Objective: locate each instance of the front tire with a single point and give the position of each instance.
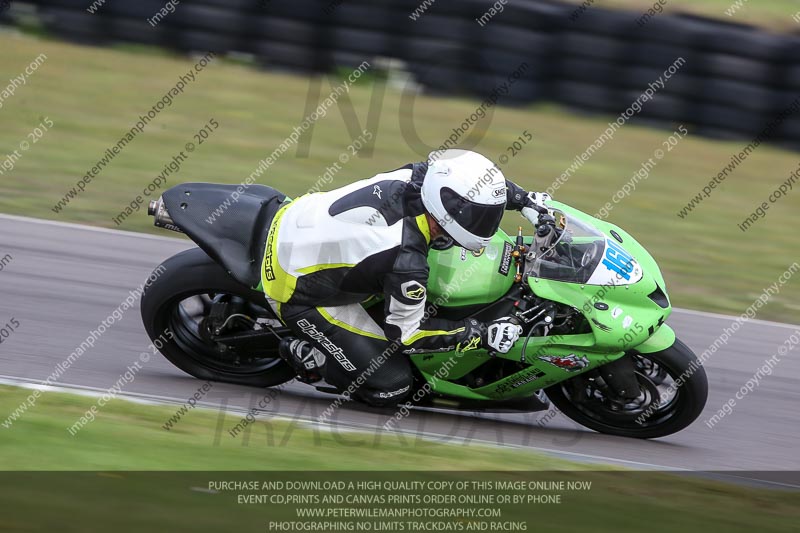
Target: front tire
(663, 407)
(180, 300)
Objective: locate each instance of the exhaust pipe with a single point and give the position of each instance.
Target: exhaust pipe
(161, 218)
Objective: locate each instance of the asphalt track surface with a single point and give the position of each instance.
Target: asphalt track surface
(64, 280)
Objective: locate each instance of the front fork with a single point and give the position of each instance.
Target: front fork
(620, 376)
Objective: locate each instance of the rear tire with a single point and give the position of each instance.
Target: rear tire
(190, 274)
(667, 418)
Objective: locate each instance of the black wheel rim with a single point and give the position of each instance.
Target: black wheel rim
(185, 319)
(659, 400)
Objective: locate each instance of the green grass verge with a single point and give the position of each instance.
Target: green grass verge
(94, 95)
(129, 436)
(774, 15)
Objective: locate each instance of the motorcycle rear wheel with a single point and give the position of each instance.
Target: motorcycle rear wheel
(179, 302)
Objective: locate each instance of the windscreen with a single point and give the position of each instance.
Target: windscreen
(575, 252)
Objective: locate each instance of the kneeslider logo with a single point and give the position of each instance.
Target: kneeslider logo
(338, 354)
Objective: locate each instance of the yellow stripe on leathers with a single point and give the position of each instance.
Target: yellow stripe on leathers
(422, 334)
(325, 266)
(278, 284)
(422, 224)
(327, 316)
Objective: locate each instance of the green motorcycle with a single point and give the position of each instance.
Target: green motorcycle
(590, 299)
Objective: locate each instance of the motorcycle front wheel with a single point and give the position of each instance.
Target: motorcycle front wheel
(673, 389)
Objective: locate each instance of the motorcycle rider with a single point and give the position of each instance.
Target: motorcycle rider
(328, 252)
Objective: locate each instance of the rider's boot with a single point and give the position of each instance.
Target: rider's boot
(305, 360)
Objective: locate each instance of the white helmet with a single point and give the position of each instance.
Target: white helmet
(466, 194)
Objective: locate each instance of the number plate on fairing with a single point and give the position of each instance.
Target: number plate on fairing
(617, 267)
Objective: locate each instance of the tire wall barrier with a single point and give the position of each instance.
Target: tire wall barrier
(735, 81)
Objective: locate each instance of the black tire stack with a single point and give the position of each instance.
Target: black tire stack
(735, 81)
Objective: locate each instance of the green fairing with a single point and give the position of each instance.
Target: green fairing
(460, 278)
(661, 340)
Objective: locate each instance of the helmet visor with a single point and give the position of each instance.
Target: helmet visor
(479, 219)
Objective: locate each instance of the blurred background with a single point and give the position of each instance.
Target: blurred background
(557, 72)
(628, 109)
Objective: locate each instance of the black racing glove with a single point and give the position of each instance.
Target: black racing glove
(499, 335)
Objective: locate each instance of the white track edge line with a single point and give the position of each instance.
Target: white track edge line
(97, 229)
(152, 399)
(184, 241)
(161, 400)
